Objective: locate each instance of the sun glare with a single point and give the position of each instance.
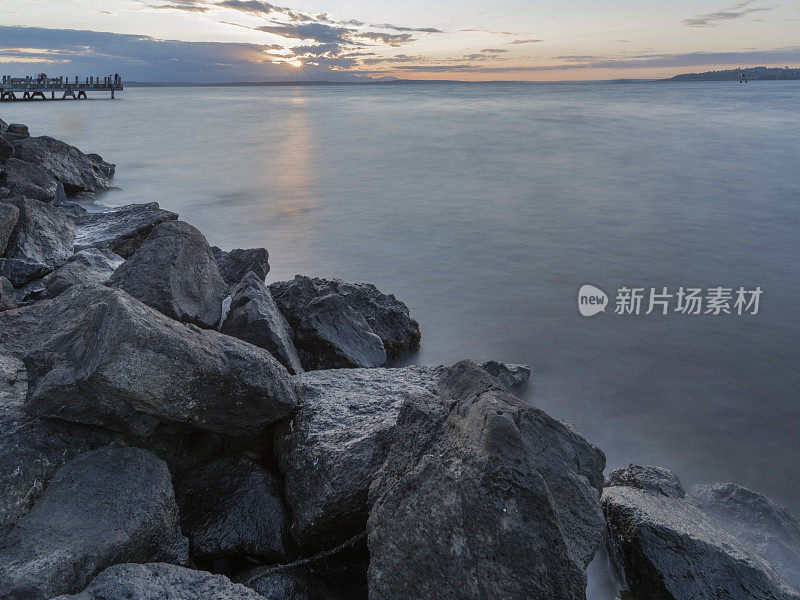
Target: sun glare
(296, 63)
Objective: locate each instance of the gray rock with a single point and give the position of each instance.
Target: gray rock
(509, 376)
(17, 129)
(43, 233)
(332, 335)
(66, 164)
(3, 125)
(163, 582)
(23, 178)
(175, 272)
(6, 149)
(106, 359)
(73, 209)
(4, 192)
(7, 299)
(20, 271)
(232, 507)
(121, 230)
(758, 522)
(483, 496)
(9, 215)
(235, 264)
(657, 480)
(293, 584)
(105, 506)
(665, 547)
(331, 449)
(254, 317)
(93, 265)
(388, 318)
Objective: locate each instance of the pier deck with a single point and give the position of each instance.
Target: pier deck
(57, 88)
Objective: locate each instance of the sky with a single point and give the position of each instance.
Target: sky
(350, 40)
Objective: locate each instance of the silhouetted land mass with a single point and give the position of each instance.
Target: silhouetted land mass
(753, 74)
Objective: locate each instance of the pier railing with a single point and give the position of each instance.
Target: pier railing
(32, 88)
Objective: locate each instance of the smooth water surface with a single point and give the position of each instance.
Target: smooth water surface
(485, 207)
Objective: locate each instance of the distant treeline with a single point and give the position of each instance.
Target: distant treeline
(753, 73)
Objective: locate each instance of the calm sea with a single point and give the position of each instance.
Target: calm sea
(485, 207)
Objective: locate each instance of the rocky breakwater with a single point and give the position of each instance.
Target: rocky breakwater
(172, 426)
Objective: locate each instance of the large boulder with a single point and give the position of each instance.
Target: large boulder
(510, 376)
(232, 508)
(9, 215)
(121, 230)
(483, 496)
(105, 506)
(386, 316)
(254, 317)
(235, 264)
(154, 581)
(175, 272)
(43, 233)
(97, 356)
(23, 178)
(93, 265)
(334, 445)
(667, 548)
(16, 131)
(20, 271)
(7, 299)
(75, 170)
(758, 522)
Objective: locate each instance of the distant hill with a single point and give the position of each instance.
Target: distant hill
(753, 74)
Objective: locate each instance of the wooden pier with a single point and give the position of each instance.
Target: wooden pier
(56, 88)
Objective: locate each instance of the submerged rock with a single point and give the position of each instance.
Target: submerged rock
(235, 264)
(93, 265)
(64, 163)
(121, 230)
(331, 449)
(23, 178)
(9, 215)
(175, 272)
(232, 507)
(254, 317)
(43, 233)
(105, 506)
(106, 359)
(386, 316)
(7, 299)
(762, 525)
(161, 581)
(510, 376)
(483, 496)
(668, 548)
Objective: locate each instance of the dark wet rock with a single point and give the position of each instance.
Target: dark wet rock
(483, 496)
(292, 584)
(332, 448)
(235, 264)
(106, 359)
(648, 478)
(154, 581)
(43, 233)
(105, 506)
(232, 507)
(73, 209)
(66, 164)
(93, 265)
(6, 148)
(758, 522)
(4, 192)
(121, 230)
(3, 126)
(666, 547)
(17, 129)
(20, 271)
(9, 215)
(387, 317)
(175, 272)
(23, 178)
(7, 299)
(510, 376)
(254, 317)
(332, 335)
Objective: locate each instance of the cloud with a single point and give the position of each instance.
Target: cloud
(737, 11)
(400, 28)
(390, 39)
(528, 41)
(318, 32)
(183, 7)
